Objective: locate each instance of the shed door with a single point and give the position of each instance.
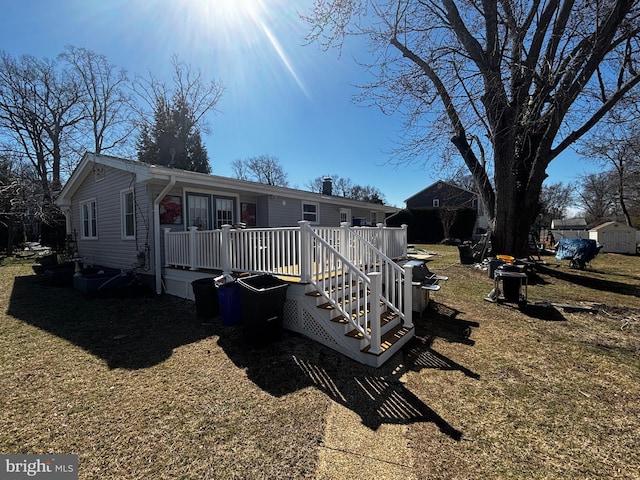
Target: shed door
(617, 242)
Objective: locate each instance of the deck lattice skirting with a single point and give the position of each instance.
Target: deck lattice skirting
(347, 291)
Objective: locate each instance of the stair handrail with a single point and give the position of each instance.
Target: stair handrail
(393, 275)
(326, 280)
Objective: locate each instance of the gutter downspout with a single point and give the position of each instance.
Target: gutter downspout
(157, 254)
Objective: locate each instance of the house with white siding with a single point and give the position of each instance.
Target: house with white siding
(173, 226)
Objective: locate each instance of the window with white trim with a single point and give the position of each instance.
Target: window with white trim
(198, 210)
(345, 215)
(128, 215)
(89, 220)
(224, 211)
(436, 202)
(310, 212)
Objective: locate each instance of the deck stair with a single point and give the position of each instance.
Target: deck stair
(314, 317)
(346, 288)
(339, 309)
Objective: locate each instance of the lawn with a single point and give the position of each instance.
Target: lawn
(142, 388)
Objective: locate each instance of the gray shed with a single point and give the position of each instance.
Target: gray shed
(615, 237)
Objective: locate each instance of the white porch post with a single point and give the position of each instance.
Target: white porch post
(193, 254)
(225, 249)
(166, 246)
(408, 296)
(343, 248)
(405, 242)
(375, 312)
(304, 260)
(382, 239)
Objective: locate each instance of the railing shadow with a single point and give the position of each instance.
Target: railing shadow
(377, 396)
(128, 333)
(586, 280)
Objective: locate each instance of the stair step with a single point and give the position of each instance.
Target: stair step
(385, 317)
(345, 301)
(316, 293)
(390, 338)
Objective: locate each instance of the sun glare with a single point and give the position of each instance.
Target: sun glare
(254, 27)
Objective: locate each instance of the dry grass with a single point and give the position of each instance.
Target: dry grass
(543, 393)
(140, 388)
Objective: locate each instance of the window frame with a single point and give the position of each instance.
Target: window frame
(189, 220)
(316, 213)
(215, 211)
(125, 214)
(92, 220)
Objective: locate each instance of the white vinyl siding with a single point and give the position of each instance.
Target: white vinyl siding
(108, 249)
(128, 215)
(89, 220)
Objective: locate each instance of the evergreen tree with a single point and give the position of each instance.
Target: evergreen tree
(174, 139)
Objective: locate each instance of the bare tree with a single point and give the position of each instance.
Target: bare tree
(40, 105)
(108, 120)
(240, 170)
(617, 148)
(555, 200)
(597, 195)
(511, 83)
(344, 187)
(265, 169)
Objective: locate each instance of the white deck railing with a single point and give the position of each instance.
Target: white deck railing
(277, 250)
(354, 263)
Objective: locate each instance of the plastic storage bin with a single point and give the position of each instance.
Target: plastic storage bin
(263, 298)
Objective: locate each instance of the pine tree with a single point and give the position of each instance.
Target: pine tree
(174, 140)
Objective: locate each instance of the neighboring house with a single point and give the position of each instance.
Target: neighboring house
(569, 224)
(615, 237)
(442, 194)
(173, 227)
(564, 228)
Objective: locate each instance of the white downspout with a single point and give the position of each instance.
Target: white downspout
(157, 253)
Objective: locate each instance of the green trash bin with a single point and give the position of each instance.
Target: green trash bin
(263, 298)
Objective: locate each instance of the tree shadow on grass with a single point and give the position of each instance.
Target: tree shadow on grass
(586, 280)
(137, 333)
(128, 333)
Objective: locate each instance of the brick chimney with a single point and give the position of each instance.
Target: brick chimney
(327, 186)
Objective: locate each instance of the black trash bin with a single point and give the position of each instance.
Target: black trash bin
(263, 298)
(466, 254)
(204, 290)
(510, 285)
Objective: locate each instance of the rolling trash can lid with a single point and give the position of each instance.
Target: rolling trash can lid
(262, 283)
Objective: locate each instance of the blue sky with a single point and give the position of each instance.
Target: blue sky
(282, 97)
